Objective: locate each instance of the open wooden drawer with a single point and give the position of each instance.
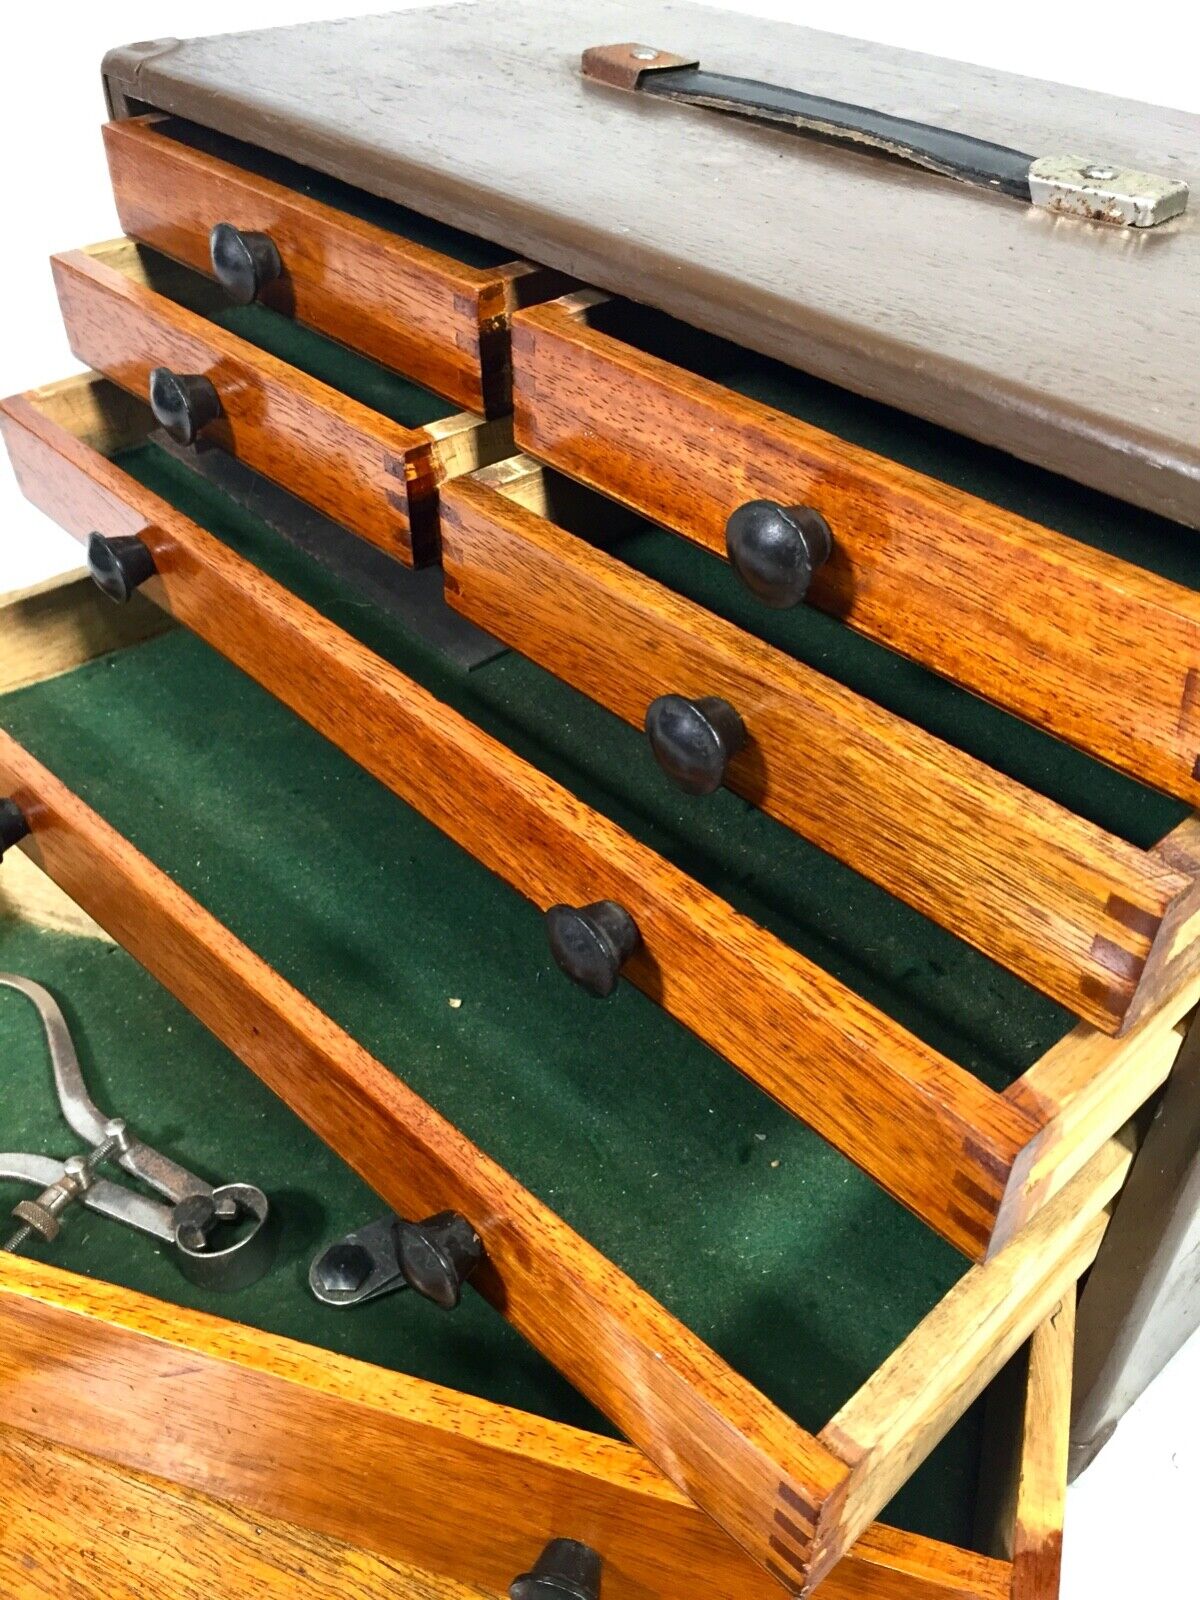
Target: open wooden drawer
(260, 1480)
(1070, 620)
(1100, 926)
(967, 1095)
(827, 1340)
(418, 297)
(362, 444)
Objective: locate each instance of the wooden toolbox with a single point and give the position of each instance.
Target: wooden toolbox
(863, 753)
(93, 1368)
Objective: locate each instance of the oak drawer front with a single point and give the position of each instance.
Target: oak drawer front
(247, 1404)
(812, 1043)
(1098, 651)
(971, 1161)
(1073, 910)
(373, 475)
(663, 1386)
(742, 1459)
(439, 320)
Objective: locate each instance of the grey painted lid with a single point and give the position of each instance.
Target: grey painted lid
(1069, 343)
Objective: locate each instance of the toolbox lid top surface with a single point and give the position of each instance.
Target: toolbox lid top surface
(1068, 342)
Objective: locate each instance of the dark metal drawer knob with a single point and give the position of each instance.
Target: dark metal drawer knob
(776, 549)
(694, 740)
(183, 403)
(243, 263)
(438, 1256)
(119, 565)
(13, 826)
(592, 943)
(565, 1570)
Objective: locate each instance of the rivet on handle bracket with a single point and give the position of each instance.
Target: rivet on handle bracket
(1080, 186)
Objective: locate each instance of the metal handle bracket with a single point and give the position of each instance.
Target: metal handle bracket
(1073, 185)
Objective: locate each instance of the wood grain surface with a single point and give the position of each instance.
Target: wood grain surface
(889, 1425)
(375, 477)
(927, 1130)
(1069, 343)
(1071, 909)
(1041, 1494)
(1086, 1086)
(422, 313)
(718, 1438)
(350, 1452)
(47, 630)
(76, 1527)
(764, 1480)
(1024, 1459)
(1099, 652)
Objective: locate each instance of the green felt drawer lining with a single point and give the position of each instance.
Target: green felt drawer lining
(768, 1243)
(932, 982)
(802, 1273)
(393, 396)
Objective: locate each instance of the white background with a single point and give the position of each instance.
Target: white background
(1131, 1517)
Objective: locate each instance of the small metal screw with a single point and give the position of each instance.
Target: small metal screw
(116, 1133)
(1101, 174)
(645, 55)
(344, 1267)
(41, 1215)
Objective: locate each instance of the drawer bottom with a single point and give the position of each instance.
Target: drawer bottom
(147, 1058)
(843, 1305)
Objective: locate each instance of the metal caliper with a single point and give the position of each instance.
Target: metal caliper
(193, 1209)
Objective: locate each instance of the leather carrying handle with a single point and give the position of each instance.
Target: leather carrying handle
(1071, 184)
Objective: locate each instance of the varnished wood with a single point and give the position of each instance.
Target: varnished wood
(1085, 1086)
(99, 414)
(1027, 1418)
(1084, 1092)
(350, 1452)
(720, 1439)
(76, 1527)
(1069, 908)
(366, 472)
(1078, 1094)
(793, 1502)
(1041, 1492)
(409, 307)
(888, 1427)
(938, 1358)
(928, 1130)
(1099, 652)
